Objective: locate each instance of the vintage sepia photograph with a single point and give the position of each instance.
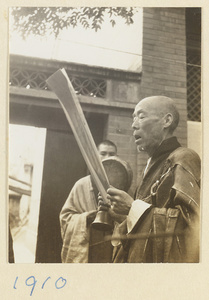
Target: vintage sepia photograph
(105, 135)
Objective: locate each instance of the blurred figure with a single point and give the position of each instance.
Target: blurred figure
(76, 217)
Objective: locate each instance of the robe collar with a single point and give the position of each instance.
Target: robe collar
(166, 146)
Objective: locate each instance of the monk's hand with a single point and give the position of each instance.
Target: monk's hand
(107, 207)
(101, 204)
(120, 201)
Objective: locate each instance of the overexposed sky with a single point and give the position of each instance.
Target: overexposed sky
(118, 47)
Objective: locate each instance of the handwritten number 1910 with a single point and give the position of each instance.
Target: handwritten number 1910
(31, 281)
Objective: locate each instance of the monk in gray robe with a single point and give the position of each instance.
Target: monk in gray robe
(162, 223)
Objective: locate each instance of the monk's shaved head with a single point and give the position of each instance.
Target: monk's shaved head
(163, 105)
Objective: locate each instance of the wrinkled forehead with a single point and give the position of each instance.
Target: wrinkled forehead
(147, 106)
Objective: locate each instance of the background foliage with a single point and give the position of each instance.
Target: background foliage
(51, 20)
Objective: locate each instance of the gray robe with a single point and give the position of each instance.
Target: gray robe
(82, 243)
(171, 186)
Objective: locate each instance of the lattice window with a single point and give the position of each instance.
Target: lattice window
(90, 87)
(194, 87)
(37, 80)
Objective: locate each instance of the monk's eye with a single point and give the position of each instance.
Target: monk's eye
(141, 116)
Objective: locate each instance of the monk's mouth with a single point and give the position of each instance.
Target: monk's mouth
(137, 138)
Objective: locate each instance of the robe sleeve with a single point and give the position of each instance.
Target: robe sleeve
(173, 217)
(73, 221)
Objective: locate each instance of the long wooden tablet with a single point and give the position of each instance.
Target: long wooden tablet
(62, 87)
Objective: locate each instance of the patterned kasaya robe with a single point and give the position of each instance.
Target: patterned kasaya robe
(168, 230)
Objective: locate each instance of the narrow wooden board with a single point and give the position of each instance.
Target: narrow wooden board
(62, 87)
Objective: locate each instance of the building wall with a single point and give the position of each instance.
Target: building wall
(164, 59)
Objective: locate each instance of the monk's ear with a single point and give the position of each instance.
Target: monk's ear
(168, 120)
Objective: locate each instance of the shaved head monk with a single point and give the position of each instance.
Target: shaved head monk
(162, 223)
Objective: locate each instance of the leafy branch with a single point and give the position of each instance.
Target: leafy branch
(52, 20)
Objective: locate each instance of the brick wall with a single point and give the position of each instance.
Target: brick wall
(164, 59)
(123, 91)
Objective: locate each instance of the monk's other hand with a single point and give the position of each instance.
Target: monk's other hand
(120, 201)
